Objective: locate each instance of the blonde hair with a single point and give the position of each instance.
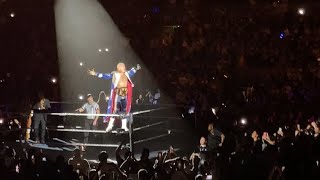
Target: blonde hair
(120, 64)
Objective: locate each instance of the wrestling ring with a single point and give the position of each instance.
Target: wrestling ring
(156, 127)
(118, 131)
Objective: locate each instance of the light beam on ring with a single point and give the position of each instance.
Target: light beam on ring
(84, 30)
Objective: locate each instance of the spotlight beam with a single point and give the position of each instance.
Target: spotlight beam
(86, 32)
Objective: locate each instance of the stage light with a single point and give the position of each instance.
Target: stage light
(243, 121)
(81, 63)
(12, 15)
(106, 49)
(281, 35)
(1, 121)
(301, 11)
(213, 78)
(213, 111)
(100, 50)
(80, 97)
(54, 80)
(191, 110)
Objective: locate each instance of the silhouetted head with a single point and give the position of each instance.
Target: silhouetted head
(145, 153)
(77, 153)
(103, 156)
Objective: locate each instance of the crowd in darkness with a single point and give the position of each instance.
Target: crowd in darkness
(218, 61)
(287, 153)
(260, 61)
(251, 58)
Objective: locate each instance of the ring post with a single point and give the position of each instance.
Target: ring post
(131, 132)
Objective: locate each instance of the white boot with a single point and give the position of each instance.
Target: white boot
(124, 124)
(110, 125)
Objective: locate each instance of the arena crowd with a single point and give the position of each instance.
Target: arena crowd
(256, 64)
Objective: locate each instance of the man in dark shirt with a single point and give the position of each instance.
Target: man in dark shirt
(256, 146)
(107, 168)
(202, 149)
(40, 118)
(145, 162)
(215, 138)
(79, 164)
(201, 152)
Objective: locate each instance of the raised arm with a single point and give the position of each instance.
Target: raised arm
(222, 139)
(118, 157)
(106, 76)
(133, 70)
